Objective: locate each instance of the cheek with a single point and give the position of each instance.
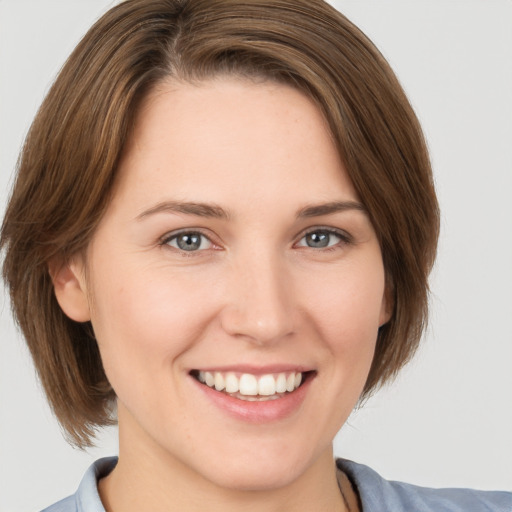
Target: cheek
(348, 312)
(352, 300)
(143, 322)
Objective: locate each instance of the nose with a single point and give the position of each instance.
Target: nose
(259, 302)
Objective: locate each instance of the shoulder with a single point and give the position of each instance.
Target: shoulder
(86, 498)
(380, 495)
(66, 505)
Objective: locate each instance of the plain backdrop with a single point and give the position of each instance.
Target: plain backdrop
(447, 420)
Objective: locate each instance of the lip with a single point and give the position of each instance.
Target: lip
(255, 370)
(257, 412)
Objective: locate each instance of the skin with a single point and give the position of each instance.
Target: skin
(254, 293)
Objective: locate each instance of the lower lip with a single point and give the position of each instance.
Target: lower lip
(257, 412)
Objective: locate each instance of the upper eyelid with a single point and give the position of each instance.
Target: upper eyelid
(173, 234)
(165, 243)
(336, 231)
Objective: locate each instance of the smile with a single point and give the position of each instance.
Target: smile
(249, 387)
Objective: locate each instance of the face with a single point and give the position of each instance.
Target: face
(235, 252)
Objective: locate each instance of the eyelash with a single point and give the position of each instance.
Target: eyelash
(167, 239)
(345, 239)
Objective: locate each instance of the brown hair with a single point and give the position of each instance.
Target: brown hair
(68, 164)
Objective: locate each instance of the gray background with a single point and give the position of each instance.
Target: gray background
(447, 421)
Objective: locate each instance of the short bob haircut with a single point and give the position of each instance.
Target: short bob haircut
(67, 168)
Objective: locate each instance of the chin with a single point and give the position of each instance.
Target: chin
(254, 477)
(259, 469)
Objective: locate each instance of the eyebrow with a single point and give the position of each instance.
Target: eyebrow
(330, 208)
(214, 211)
(188, 208)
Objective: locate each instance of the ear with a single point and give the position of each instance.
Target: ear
(70, 290)
(387, 305)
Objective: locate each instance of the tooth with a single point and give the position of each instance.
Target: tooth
(267, 385)
(248, 384)
(219, 381)
(231, 383)
(290, 382)
(281, 383)
(209, 379)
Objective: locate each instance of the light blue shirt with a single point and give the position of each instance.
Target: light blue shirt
(377, 494)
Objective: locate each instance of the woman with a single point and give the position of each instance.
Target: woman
(224, 220)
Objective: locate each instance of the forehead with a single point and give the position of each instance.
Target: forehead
(228, 136)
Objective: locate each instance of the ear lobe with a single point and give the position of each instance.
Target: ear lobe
(70, 290)
(387, 306)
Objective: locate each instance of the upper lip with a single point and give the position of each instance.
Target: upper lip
(256, 369)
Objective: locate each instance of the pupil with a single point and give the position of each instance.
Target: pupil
(318, 239)
(189, 242)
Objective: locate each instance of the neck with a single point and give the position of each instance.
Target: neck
(147, 479)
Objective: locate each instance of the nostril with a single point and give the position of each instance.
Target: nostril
(260, 315)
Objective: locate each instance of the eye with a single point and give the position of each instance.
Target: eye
(189, 241)
(322, 238)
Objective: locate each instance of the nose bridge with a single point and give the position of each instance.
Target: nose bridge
(259, 299)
